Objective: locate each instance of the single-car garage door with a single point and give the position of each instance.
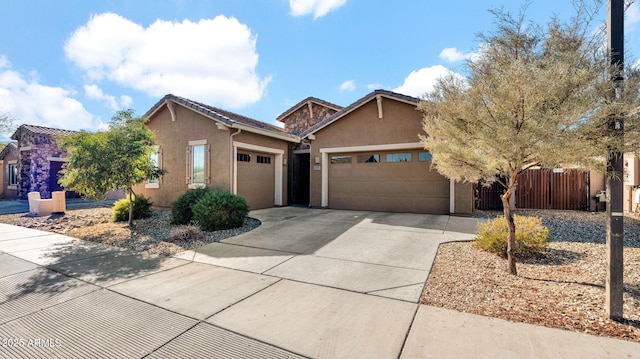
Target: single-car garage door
(398, 181)
(256, 178)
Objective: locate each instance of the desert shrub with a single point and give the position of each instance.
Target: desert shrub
(181, 208)
(531, 235)
(220, 210)
(141, 208)
(190, 232)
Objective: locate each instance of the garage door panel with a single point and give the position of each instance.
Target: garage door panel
(390, 188)
(393, 186)
(256, 181)
(392, 204)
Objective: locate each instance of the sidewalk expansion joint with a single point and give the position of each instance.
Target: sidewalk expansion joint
(242, 299)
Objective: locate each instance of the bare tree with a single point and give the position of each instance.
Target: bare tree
(533, 96)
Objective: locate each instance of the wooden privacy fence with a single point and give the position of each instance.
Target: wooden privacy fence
(542, 189)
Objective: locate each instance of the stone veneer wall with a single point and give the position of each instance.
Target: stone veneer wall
(300, 120)
(34, 165)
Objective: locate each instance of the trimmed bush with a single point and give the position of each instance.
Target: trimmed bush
(531, 235)
(181, 208)
(141, 208)
(220, 210)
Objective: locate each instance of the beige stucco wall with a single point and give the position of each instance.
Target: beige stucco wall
(631, 179)
(173, 138)
(464, 198)
(596, 184)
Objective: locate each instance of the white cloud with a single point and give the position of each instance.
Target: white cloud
(422, 81)
(375, 86)
(94, 92)
(348, 85)
(30, 102)
(452, 54)
(4, 62)
(212, 60)
(319, 8)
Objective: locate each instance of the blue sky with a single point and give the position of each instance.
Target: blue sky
(72, 63)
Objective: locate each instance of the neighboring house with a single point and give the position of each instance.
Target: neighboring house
(33, 162)
(9, 175)
(366, 156)
(631, 180)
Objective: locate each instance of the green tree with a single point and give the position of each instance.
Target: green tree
(533, 96)
(6, 124)
(116, 159)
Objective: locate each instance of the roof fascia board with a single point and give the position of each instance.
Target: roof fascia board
(265, 133)
(232, 125)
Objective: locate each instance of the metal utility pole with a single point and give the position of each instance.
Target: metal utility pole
(615, 168)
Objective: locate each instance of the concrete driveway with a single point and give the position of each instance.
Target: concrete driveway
(307, 283)
(384, 254)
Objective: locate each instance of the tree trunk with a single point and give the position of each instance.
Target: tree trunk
(130, 208)
(511, 225)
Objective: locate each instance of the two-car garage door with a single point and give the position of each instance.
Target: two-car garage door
(394, 181)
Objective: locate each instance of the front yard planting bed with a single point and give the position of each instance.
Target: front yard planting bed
(562, 288)
(151, 235)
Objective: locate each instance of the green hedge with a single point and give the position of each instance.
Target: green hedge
(181, 208)
(218, 209)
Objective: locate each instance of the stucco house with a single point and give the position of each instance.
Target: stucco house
(9, 172)
(32, 162)
(366, 156)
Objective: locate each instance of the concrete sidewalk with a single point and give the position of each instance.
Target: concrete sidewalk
(261, 294)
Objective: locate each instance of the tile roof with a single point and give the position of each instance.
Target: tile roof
(41, 130)
(226, 117)
(303, 102)
(355, 105)
(11, 146)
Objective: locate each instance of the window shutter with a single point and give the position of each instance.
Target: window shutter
(160, 163)
(207, 164)
(188, 178)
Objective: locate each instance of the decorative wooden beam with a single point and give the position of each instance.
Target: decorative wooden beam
(171, 110)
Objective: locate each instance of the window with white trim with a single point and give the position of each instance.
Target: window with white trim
(155, 160)
(198, 172)
(13, 175)
(243, 157)
(197, 161)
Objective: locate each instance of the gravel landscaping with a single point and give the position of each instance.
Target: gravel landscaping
(561, 288)
(153, 235)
